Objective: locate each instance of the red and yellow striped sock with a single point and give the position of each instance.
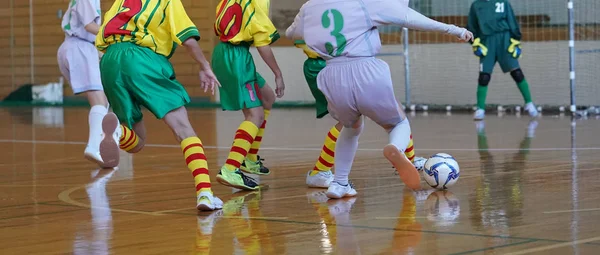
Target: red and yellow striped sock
(410, 150)
(193, 151)
(129, 139)
(253, 152)
(244, 137)
(326, 159)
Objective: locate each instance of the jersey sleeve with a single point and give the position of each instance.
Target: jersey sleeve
(180, 24)
(86, 12)
(296, 29)
(301, 44)
(386, 12)
(473, 23)
(262, 29)
(515, 30)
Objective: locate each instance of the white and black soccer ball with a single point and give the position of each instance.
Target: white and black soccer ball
(441, 171)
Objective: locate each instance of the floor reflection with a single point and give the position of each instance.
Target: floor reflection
(498, 200)
(96, 241)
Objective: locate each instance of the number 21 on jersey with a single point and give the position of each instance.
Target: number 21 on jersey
(335, 28)
(499, 7)
(114, 26)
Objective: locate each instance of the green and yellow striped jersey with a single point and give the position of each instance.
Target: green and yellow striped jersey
(160, 25)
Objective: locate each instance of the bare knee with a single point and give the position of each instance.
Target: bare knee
(255, 115)
(179, 123)
(268, 97)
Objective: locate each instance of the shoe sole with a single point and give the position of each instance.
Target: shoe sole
(109, 149)
(206, 207)
(335, 196)
(408, 173)
(223, 181)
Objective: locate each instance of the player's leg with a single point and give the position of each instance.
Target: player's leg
(321, 176)
(486, 67)
(337, 84)
(519, 78)
(234, 67)
(142, 71)
(253, 163)
(78, 63)
(195, 158)
(377, 101)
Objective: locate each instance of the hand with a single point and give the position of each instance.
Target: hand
(515, 48)
(465, 35)
(208, 80)
(478, 48)
(279, 86)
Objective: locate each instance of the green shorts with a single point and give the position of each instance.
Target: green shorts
(497, 45)
(135, 76)
(312, 67)
(234, 67)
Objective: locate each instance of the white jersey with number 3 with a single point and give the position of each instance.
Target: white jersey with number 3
(348, 28)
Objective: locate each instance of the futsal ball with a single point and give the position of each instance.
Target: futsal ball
(441, 171)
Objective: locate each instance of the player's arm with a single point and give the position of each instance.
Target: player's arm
(87, 14)
(296, 30)
(386, 12)
(264, 34)
(473, 22)
(184, 32)
(515, 29)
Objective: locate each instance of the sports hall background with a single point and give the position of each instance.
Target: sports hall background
(442, 70)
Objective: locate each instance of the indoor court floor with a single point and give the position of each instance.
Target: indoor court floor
(526, 187)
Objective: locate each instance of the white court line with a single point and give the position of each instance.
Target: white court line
(313, 149)
(554, 246)
(571, 211)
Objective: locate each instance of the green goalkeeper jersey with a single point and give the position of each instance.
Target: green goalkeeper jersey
(488, 17)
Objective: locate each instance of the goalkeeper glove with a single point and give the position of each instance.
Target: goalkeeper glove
(515, 48)
(478, 48)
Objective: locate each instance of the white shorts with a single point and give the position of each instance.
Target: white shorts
(359, 86)
(79, 64)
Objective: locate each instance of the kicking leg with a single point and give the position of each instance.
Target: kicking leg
(195, 158)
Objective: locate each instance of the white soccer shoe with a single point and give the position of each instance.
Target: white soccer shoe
(530, 108)
(479, 114)
(320, 180)
(109, 146)
(206, 201)
(419, 163)
(337, 190)
(93, 155)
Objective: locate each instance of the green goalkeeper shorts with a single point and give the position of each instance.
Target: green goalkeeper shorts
(497, 45)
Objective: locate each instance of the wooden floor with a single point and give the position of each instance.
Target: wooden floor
(523, 190)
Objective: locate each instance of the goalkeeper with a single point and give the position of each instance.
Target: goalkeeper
(497, 39)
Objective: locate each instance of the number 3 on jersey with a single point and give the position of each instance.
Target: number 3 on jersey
(338, 25)
(114, 26)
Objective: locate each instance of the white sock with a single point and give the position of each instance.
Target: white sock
(95, 117)
(345, 149)
(400, 135)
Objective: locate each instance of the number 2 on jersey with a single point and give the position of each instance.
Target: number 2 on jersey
(114, 26)
(338, 25)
